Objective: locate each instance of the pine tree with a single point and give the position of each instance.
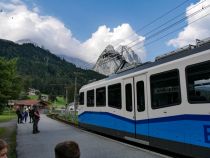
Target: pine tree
(10, 82)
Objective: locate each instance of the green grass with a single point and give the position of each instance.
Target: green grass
(12, 145)
(33, 97)
(2, 131)
(9, 133)
(6, 116)
(59, 102)
(70, 118)
(9, 112)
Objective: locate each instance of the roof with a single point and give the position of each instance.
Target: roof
(27, 102)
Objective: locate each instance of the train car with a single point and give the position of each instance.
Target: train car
(164, 104)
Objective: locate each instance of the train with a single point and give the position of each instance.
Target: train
(163, 104)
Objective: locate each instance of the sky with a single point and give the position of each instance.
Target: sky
(83, 28)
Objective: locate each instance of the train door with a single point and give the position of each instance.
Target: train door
(129, 110)
(141, 109)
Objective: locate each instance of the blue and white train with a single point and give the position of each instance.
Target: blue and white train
(163, 104)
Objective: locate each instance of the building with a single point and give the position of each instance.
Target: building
(30, 103)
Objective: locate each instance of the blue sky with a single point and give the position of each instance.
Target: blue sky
(83, 17)
(86, 20)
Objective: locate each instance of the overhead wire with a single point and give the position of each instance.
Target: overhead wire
(171, 25)
(165, 14)
(156, 19)
(175, 30)
(160, 26)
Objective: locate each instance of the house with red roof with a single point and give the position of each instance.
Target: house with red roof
(30, 103)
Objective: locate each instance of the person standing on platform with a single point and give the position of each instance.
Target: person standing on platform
(36, 118)
(22, 114)
(25, 115)
(30, 115)
(19, 116)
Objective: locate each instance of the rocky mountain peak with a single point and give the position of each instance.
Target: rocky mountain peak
(112, 60)
(129, 55)
(109, 48)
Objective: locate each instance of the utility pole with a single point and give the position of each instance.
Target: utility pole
(75, 97)
(66, 105)
(53, 85)
(66, 95)
(67, 92)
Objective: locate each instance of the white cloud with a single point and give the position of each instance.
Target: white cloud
(18, 22)
(196, 30)
(105, 36)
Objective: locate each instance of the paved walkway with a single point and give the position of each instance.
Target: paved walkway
(9, 123)
(91, 145)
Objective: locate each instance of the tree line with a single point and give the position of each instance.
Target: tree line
(10, 82)
(38, 68)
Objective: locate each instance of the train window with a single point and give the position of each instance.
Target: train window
(198, 83)
(114, 96)
(90, 98)
(140, 96)
(81, 98)
(165, 89)
(128, 97)
(101, 96)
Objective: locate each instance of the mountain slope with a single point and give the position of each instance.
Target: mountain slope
(43, 70)
(78, 62)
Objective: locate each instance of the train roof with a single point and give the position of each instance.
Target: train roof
(201, 45)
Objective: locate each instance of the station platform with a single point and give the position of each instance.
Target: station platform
(91, 145)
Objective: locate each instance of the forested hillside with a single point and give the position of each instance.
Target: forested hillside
(43, 70)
